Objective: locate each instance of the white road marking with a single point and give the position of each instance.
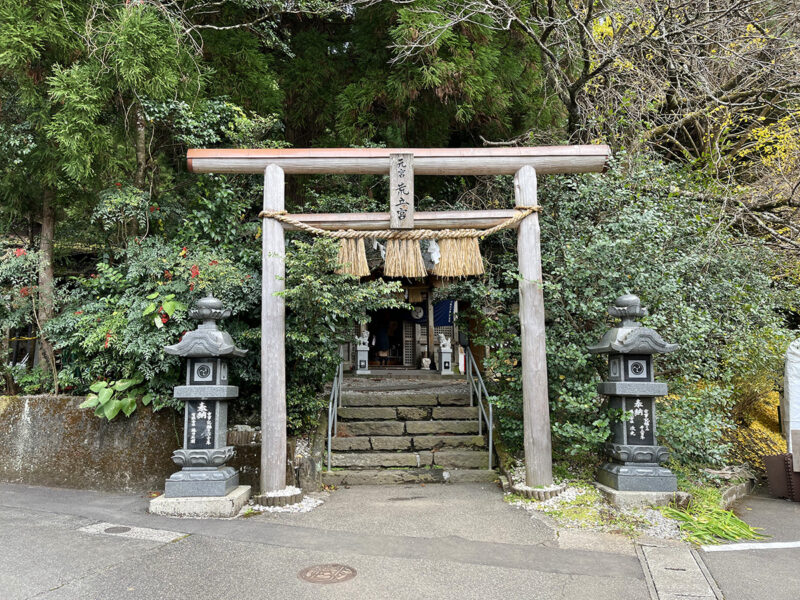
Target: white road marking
(750, 546)
(135, 533)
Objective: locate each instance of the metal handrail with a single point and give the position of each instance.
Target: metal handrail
(333, 407)
(478, 388)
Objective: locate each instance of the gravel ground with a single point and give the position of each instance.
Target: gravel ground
(594, 512)
(308, 503)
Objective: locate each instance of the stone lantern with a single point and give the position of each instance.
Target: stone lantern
(634, 457)
(207, 393)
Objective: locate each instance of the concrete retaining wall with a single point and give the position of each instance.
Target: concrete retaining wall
(48, 440)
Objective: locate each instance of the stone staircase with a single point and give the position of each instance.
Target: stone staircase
(407, 429)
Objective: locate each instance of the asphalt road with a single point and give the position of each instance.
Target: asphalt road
(436, 541)
(764, 572)
(440, 542)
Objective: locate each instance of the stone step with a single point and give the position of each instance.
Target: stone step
(358, 428)
(355, 428)
(431, 442)
(406, 413)
(405, 398)
(368, 413)
(455, 412)
(405, 442)
(371, 460)
(411, 383)
(454, 459)
(437, 427)
(400, 476)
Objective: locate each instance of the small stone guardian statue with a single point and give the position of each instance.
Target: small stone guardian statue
(445, 355)
(362, 353)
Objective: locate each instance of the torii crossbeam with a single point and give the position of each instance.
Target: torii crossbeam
(523, 163)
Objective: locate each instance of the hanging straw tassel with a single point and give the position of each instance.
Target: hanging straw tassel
(353, 257)
(404, 259)
(460, 257)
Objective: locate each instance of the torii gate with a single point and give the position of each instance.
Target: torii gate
(524, 163)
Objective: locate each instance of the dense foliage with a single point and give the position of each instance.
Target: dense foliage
(105, 239)
(636, 230)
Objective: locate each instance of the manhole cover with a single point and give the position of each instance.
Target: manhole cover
(327, 573)
(117, 530)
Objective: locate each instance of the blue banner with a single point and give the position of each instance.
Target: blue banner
(443, 313)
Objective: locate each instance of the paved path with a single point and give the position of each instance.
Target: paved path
(436, 541)
(766, 571)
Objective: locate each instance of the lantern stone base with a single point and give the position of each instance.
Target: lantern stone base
(201, 482)
(638, 478)
(219, 507)
(641, 499)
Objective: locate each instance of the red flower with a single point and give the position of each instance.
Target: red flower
(191, 287)
(78, 312)
(24, 291)
(20, 252)
(153, 209)
(213, 262)
(108, 338)
(160, 309)
(118, 184)
(195, 271)
(248, 276)
(164, 318)
(167, 275)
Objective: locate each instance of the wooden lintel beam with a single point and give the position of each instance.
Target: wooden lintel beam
(450, 219)
(427, 161)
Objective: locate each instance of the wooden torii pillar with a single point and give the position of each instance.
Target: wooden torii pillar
(524, 163)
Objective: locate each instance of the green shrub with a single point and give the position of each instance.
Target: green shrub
(635, 230)
(323, 309)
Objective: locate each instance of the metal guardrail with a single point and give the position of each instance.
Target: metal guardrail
(333, 407)
(478, 388)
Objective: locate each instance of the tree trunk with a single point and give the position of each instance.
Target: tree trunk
(141, 149)
(5, 349)
(46, 293)
(139, 180)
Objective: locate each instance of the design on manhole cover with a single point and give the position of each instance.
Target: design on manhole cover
(331, 573)
(117, 530)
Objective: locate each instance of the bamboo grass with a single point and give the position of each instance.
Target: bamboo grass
(708, 525)
(353, 257)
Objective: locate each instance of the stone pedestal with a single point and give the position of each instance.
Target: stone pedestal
(641, 499)
(445, 362)
(202, 507)
(362, 360)
(633, 477)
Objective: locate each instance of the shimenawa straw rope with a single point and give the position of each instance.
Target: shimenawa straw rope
(460, 253)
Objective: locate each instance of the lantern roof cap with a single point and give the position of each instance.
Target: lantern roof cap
(207, 340)
(630, 337)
